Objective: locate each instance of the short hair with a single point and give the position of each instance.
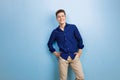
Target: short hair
(59, 11)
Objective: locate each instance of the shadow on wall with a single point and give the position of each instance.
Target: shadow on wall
(53, 60)
(54, 23)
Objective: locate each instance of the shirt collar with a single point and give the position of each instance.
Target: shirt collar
(58, 28)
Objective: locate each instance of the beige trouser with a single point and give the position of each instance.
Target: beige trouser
(75, 65)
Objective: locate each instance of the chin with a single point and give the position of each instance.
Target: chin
(62, 22)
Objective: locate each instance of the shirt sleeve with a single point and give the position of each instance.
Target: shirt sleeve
(51, 41)
(78, 38)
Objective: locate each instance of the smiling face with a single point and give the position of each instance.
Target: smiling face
(61, 18)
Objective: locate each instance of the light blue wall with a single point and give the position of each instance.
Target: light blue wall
(25, 27)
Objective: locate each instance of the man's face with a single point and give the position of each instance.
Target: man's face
(61, 18)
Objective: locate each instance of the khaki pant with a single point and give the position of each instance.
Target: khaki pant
(75, 65)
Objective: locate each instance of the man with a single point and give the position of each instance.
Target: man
(70, 46)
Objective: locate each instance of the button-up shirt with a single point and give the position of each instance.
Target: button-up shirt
(69, 40)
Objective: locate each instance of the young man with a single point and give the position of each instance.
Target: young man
(70, 46)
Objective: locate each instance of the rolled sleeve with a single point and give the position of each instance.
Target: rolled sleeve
(51, 41)
(78, 38)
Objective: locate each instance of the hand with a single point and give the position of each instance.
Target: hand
(78, 54)
(57, 54)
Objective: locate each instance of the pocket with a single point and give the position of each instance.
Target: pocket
(61, 59)
(76, 56)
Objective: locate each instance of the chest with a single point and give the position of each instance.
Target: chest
(65, 34)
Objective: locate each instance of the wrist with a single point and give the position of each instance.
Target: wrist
(79, 51)
(54, 52)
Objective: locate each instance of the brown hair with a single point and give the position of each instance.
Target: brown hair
(59, 11)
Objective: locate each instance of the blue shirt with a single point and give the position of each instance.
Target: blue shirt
(69, 41)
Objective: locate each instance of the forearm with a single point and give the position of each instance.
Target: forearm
(79, 52)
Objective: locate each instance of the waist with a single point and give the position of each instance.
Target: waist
(68, 52)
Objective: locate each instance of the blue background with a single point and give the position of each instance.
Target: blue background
(25, 27)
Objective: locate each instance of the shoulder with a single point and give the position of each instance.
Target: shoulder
(73, 26)
(55, 30)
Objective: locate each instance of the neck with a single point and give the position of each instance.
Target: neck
(62, 25)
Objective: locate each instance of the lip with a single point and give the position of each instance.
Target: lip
(62, 20)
